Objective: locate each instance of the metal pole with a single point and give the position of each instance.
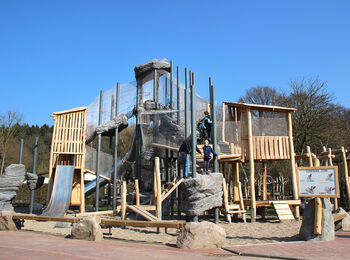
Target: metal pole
(34, 171)
(116, 149)
(193, 126)
(21, 151)
(155, 85)
(193, 130)
(171, 85)
(138, 131)
(178, 94)
(213, 135)
(98, 156)
(111, 153)
(187, 124)
(166, 89)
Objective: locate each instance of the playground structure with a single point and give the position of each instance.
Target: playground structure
(159, 106)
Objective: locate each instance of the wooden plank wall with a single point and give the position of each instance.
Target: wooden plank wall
(68, 136)
(271, 147)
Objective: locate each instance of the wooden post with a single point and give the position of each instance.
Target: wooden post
(309, 155)
(223, 121)
(137, 190)
(235, 180)
(251, 165)
(318, 217)
(224, 188)
(158, 188)
(346, 174)
(264, 186)
(123, 201)
(292, 164)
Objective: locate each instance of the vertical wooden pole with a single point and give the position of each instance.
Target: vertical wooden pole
(223, 121)
(137, 191)
(251, 165)
(264, 186)
(292, 163)
(235, 179)
(123, 201)
(82, 185)
(159, 188)
(346, 175)
(318, 217)
(309, 155)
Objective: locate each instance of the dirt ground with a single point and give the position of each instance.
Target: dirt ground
(239, 233)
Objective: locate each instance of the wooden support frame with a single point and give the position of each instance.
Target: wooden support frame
(318, 217)
(251, 166)
(123, 201)
(68, 138)
(346, 173)
(158, 187)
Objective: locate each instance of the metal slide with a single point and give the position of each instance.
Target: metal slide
(91, 186)
(60, 196)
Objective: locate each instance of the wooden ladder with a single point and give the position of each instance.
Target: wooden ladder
(231, 209)
(283, 210)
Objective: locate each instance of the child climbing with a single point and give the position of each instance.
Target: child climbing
(207, 150)
(205, 125)
(185, 150)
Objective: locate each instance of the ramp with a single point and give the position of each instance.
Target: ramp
(283, 210)
(60, 196)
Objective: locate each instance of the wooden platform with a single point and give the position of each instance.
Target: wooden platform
(266, 203)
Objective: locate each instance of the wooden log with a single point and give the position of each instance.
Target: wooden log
(292, 164)
(172, 189)
(137, 190)
(223, 121)
(21, 216)
(102, 176)
(159, 188)
(318, 217)
(123, 201)
(98, 213)
(163, 146)
(346, 174)
(137, 223)
(264, 186)
(251, 165)
(224, 188)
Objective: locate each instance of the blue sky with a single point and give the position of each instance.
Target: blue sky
(56, 55)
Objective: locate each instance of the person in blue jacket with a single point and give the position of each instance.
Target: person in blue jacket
(207, 151)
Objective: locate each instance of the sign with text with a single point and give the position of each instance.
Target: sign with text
(318, 181)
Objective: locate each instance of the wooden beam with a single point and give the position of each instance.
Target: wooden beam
(143, 213)
(163, 146)
(318, 216)
(339, 216)
(44, 218)
(136, 223)
(172, 189)
(159, 188)
(223, 121)
(251, 165)
(346, 174)
(292, 164)
(97, 213)
(137, 191)
(102, 176)
(264, 203)
(123, 201)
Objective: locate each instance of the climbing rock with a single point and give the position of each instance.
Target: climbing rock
(142, 69)
(6, 221)
(201, 193)
(307, 227)
(34, 181)
(10, 181)
(87, 229)
(201, 235)
(345, 223)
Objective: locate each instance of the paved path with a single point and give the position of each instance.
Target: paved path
(337, 249)
(31, 245)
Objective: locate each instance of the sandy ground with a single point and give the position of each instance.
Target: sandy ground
(236, 233)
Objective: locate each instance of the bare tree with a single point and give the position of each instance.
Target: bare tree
(9, 125)
(314, 110)
(262, 95)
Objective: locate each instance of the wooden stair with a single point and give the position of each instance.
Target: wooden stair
(283, 210)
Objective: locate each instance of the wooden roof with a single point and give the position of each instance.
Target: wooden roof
(260, 107)
(69, 111)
